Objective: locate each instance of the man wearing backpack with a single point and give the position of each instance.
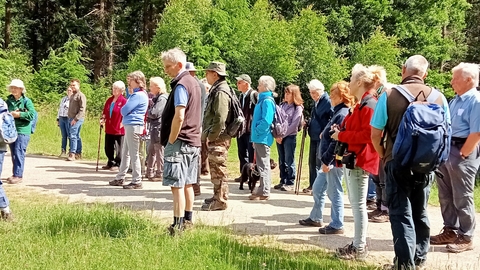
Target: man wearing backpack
(248, 99)
(76, 116)
(215, 136)
(407, 192)
(455, 189)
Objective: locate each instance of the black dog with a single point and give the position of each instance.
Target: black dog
(250, 173)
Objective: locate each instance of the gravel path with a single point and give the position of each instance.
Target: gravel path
(277, 217)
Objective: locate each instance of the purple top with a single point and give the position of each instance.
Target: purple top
(294, 114)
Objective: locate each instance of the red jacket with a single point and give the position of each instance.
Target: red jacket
(357, 134)
(113, 123)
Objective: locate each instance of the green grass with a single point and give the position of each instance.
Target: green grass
(48, 233)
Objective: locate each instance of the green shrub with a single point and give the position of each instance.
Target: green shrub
(14, 65)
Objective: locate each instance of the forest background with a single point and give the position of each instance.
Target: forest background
(47, 42)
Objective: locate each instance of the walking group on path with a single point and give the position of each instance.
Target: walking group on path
(365, 129)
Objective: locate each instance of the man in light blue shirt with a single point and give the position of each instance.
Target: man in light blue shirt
(455, 189)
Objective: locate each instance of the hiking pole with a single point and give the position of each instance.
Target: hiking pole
(300, 160)
(98, 150)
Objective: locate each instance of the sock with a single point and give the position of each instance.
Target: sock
(177, 221)
(188, 215)
(5, 210)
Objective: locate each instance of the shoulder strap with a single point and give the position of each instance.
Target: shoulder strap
(433, 95)
(405, 93)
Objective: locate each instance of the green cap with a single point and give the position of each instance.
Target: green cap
(244, 77)
(218, 67)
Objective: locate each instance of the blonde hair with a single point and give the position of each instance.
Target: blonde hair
(370, 77)
(297, 95)
(160, 83)
(341, 88)
(139, 78)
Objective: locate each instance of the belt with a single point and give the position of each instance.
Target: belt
(458, 141)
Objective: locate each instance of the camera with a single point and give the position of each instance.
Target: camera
(340, 148)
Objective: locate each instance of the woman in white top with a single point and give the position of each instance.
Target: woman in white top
(62, 121)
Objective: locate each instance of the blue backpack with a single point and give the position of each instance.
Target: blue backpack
(280, 121)
(35, 115)
(423, 139)
(8, 131)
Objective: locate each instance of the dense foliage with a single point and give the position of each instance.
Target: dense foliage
(46, 42)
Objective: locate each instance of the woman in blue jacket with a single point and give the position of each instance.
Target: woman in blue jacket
(329, 177)
(261, 135)
(133, 113)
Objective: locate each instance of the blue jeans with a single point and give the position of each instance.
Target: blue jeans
(318, 191)
(286, 154)
(65, 130)
(75, 140)
(371, 193)
(18, 150)
(357, 186)
(407, 197)
(335, 195)
(3, 196)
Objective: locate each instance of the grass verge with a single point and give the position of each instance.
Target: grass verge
(48, 233)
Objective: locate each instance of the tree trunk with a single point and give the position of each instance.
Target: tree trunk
(111, 38)
(98, 65)
(8, 22)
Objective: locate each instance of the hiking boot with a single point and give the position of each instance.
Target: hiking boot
(78, 156)
(63, 154)
(196, 189)
(461, 244)
(446, 236)
(307, 190)
(187, 224)
(215, 205)
(116, 182)
(133, 186)
(155, 178)
(330, 230)
(175, 230)
(350, 252)
(6, 216)
(114, 169)
(374, 213)
(381, 218)
(208, 200)
(278, 186)
(371, 207)
(238, 179)
(258, 197)
(287, 188)
(106, 167)
(71, 157)
(310, 222)
(14, 180)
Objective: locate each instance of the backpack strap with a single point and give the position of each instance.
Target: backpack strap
(433, 95)
(405, 93)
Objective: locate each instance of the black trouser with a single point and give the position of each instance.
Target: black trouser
(313, 162)
(379, 181)
(113, 149)
(245, 150)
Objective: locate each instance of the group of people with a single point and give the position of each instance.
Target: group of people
(23, 111)
(352, 132)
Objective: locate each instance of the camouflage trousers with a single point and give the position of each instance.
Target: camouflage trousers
(217, 159)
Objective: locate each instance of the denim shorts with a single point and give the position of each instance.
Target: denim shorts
(180, 166)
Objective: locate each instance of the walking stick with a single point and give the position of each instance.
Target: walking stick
(300, 160)
(99, 142)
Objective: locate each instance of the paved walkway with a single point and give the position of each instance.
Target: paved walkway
(277, 217)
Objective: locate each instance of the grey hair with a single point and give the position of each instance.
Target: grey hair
(469, 70)
(175, 55)
(416, 64)
(120, 85)
(268, 82)
(316, 85)
(160, 83)
(138, 77)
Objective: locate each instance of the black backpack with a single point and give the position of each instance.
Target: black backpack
(235, 125)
